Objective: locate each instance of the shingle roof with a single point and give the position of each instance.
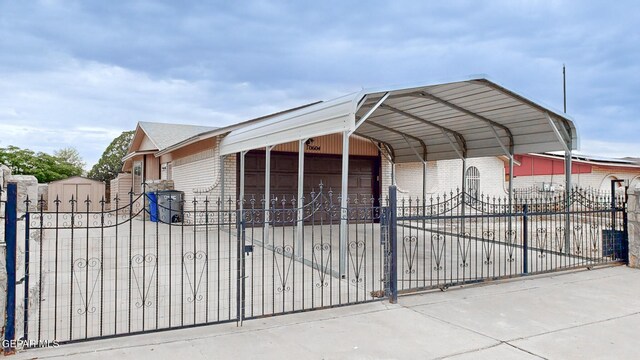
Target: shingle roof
(164, 135)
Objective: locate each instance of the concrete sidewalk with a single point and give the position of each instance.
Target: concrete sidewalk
(573, 315)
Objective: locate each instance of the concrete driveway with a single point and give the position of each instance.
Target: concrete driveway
(573, 315)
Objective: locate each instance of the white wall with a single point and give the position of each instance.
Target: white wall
(445, 176)
(599, 179)
(198, 175)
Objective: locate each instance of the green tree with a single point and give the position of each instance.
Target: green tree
(44, 167)
(110, 163)
(72, 156)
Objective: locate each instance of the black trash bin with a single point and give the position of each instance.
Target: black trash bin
(170, 206)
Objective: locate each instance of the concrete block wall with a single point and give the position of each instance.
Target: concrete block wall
(27, 189)
(43, 194)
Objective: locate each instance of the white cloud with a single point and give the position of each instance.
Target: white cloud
(615, 149)
(78, 73)
(87, 104)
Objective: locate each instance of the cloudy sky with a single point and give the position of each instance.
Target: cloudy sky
(80, 72)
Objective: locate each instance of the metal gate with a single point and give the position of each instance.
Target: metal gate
(143, 265)
(460, 238)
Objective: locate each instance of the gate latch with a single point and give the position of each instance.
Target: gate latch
(248, 249)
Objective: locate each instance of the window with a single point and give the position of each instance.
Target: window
(472, 182)
(137, 176)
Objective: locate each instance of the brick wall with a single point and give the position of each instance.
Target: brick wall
(444, 176)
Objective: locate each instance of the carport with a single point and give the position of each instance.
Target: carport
(457, 120)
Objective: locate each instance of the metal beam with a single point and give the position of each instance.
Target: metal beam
(489, 122)
(517, 97)
(366, 116)
(566, 143)
(300, 201)
(568, 185)
(421, 158)
(241, 197)
(342, 258)
(388, 154)
(424, 146)
(240, 251)
(361, 102)
(511, 210)
(384, 153)
(222, 182)
(461, 155)
(267, 193)
(459, 137)
(375, 142)
(464, 192)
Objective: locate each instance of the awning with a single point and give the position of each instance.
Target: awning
(471, 118)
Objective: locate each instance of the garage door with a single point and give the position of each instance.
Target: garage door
(325, 169)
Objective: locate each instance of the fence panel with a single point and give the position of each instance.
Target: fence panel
(116, 272)
(461, 238)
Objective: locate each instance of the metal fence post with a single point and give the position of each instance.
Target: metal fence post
(393, 244)
(11, 222)
(525, 239)
(240, 267)
(26, 273)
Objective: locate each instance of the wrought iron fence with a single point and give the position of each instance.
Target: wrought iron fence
(297, 268)
(129, 269)
(459, 238)
(144, 265)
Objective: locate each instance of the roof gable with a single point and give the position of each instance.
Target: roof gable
(164, 135)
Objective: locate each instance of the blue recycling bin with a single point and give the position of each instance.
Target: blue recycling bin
(153, 206)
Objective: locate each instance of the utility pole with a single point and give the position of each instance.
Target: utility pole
(564, 87)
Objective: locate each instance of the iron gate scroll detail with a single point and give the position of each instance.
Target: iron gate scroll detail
(125, 269)
(449, 240)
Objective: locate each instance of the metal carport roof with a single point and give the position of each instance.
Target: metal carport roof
(470, 118)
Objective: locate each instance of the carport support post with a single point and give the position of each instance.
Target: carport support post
(392, 256)
(222, 200)
(464, 189)
(267, 192)
(241, 196)
(240, 300)
(343, 204)
(300, 220)
(393, 174)
(511, 210)
(424, 188)
(568, 185)
(510, 183)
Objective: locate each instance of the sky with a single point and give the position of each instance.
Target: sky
(78, 73)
